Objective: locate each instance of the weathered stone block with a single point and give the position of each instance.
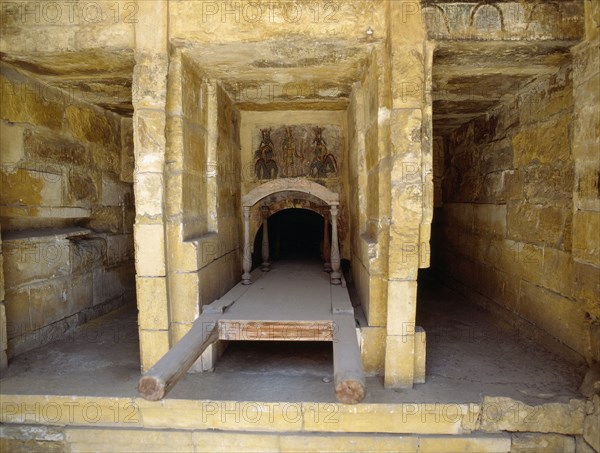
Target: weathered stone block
(87, 124)
(115, 192)
(586, 240)
(49, 302)
(23, 101)
(559, 274)
(21, 186)
(35, 258)
(149, 196)
(399, 361)
(185, 296)
(54, 148)
(564, 318)
(11, 143)
(153, 345)
(401, 307)
(149, 139)
(506, 414)
(372, 348)
(149, 250)
(107, 219)
(82, 188)
(3, 333)
(545, 143)
(16, 305)
(537, 443)
(152, 303)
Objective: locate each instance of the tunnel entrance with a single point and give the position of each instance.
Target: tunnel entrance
(294, 234)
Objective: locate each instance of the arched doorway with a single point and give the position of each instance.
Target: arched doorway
(329, 199)
(295, 234)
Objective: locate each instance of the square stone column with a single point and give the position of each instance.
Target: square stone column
(149, 120)
(409, 179)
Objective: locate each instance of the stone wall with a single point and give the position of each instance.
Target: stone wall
(510, 231)
(65, 209)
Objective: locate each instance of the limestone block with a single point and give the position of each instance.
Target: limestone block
(185, 296)
(525, 443)
(489, 220)
(399, 361)
(562, 317)
(54, 149)
(119, 248)
(506, 414)
(11, 143)
(591, 425)
(347, 442)
(581, 446)
(152, 303)
(559, 273)
(153, 345)
(82, 188)
(536, 224)
(22, 102)
(372, 349)
(42, 187)
(107, 219)
(183, 255)
(402, 303)
(127, 155)
(149, 78)
(122, 439)
(586, 241)
(87, 254)
(543, 143)
(49, 302)
(149, 195)
(3, 333)
(420, 355)
(586, 197)
(406, 418)
(90, 125)
(105, 158)
(209, 441)
(115, 192)
(458, 444)
(113, 282)
(17, 312)
(149, 140)
(35, 258)
(149, 250)
(80, 293)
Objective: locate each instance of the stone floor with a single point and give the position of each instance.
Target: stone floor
(469, 356)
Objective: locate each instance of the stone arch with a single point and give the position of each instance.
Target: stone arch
(299, 185)
(290, 185)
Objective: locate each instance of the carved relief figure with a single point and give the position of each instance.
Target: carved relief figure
(265, 166)
(289, 151)
(323, 162)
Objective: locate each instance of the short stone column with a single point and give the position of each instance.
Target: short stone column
(266, 265)
(247, 261)
(326, 243)
(335, 276)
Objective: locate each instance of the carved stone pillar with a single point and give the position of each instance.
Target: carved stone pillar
(266, 265)
(247, 261)
(326, 243)
(336, 276)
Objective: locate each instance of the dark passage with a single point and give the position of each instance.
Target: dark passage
(294, 234)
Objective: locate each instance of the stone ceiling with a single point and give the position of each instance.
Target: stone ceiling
(101, 77)
(470, 78)
(294, 74)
